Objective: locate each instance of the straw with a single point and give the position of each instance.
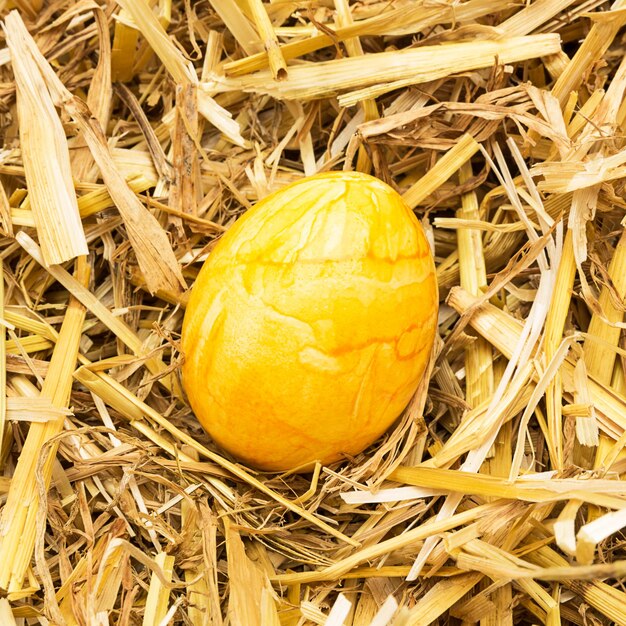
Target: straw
(136, 134)
(264, 27)
(17, 523)
(46, 156)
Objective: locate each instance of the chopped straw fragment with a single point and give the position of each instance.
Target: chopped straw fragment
(46, 156)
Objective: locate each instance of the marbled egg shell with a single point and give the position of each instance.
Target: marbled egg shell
(311, 323)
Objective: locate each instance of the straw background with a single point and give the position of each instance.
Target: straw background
(133, 135)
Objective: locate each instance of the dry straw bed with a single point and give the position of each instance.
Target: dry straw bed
(134, 134)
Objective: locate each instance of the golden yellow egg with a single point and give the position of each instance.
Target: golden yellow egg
(311, 323)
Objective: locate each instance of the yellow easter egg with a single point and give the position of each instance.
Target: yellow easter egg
(311, 323)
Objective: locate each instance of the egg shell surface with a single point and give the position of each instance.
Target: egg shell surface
(311, 323)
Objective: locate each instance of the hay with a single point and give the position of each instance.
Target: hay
(135, 133)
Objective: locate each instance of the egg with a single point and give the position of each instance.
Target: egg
(311, 323)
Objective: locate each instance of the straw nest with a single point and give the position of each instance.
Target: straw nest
(135, 133)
